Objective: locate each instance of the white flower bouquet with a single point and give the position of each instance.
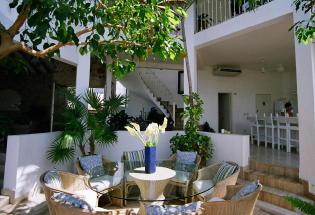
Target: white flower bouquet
(150, 137)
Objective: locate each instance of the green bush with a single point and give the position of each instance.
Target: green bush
(192, 140)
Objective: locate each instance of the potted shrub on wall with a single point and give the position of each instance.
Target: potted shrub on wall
(192, 140)
(84, 128)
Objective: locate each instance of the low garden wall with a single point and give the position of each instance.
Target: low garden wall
(26, 156)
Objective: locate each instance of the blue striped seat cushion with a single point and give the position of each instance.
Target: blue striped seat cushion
(133, 159)
(186, 157)
(73, 201)
(225, 170)
(88, 163)
(53, 179)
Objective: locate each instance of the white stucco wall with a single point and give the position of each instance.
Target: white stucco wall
(305, 69)
(243, 89)
(26, 156)
(170, 80)
(137, 103)
(26, 161)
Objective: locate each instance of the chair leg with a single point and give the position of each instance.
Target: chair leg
(251, 135)
(288, 140)
(266, 133)
(279, 136)
(258, 136)
(272, 138)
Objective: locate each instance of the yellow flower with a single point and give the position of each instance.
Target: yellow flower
(131, 131)
(163, 126)
(136, 126)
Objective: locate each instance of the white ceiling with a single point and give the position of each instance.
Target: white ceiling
(266, 47)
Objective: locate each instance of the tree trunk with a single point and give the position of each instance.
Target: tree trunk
(92, 145)
(82, 149)
(7, 45)
(190, 91)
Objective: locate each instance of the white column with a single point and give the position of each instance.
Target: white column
(108, 86)
(191, 51)
(83, 74)
(305, 74)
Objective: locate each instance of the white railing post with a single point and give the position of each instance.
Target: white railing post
(174, 113)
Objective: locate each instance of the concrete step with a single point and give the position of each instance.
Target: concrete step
(275, 210)
(280, 182)
(274, 169)
(275, 196)
(36, 206)
(4, 200)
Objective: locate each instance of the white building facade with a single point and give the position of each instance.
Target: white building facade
(274, 67)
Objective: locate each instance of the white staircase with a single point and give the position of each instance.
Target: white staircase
(158, 92)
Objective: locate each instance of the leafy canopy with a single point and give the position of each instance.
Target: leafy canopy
(120, 31)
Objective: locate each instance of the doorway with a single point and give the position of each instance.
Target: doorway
(264, 104)
(225, 111)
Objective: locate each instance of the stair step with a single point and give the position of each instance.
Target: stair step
(4, 200)
(275, 196)
(273, 209)
(274, 169)
(280, 182)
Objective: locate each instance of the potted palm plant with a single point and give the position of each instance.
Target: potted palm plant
(83, 128)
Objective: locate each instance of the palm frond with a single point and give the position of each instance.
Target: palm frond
(94, 99)
(113, 104)
(104, 135)
(305, 207)
(57, 153)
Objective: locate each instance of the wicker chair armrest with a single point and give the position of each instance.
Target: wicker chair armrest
(73, 182)
(105, 160)
(232, 190)
(173, 157)
(207, 172)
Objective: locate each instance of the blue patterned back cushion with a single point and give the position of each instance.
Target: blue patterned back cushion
(73, 201)
(248, 189)
(89, 162)
(224, 171)
(134, 159)
(186, 157)
(52, 178)
(171, 209)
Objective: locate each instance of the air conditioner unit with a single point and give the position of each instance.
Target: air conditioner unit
(226, 71)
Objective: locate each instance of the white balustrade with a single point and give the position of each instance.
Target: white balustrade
(213, 12)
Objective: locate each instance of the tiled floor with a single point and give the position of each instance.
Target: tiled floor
(274, 156)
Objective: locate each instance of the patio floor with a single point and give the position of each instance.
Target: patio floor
(31, 208)
(274, 156)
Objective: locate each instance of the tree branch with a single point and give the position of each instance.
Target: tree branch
(19, 22)
(45, 52)
(87, 30)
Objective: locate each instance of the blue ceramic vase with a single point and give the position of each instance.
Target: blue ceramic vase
(150, 159)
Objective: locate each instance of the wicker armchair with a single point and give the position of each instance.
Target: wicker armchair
(71, 185)
(136, 159)
(117, 188)
(62, 209)
(184, 184)
(244, 206)
(219, 189)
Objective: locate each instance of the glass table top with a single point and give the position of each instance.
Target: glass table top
(171, 181)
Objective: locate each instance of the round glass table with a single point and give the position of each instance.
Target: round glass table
(172, 181)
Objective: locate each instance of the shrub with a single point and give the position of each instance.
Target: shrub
(192, 140)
